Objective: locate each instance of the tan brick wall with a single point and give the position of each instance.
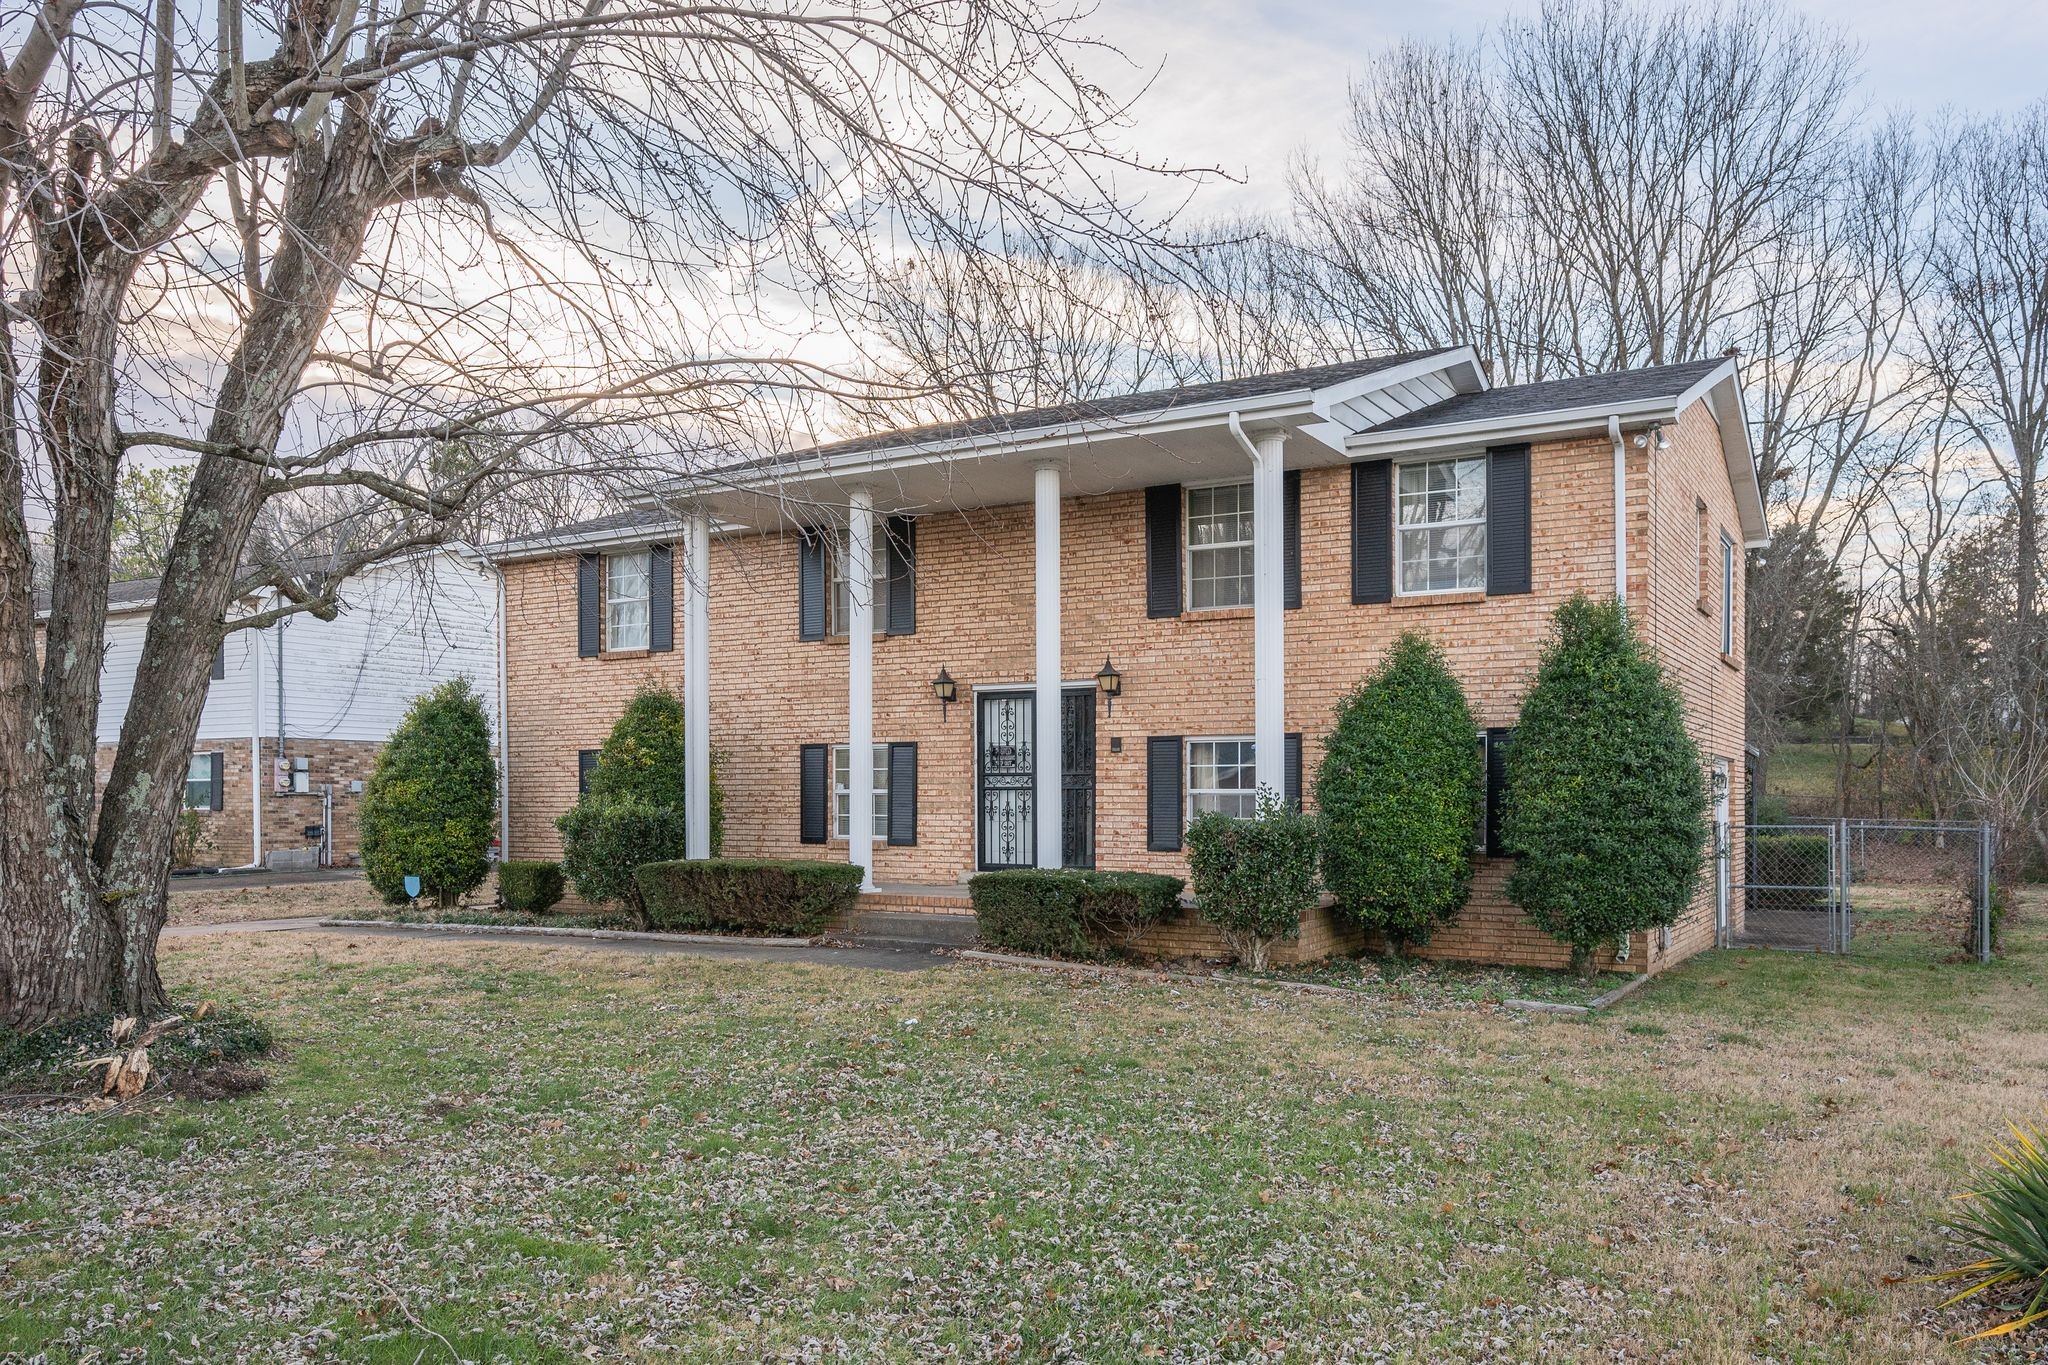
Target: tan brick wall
(1190, 675)
(225, 834)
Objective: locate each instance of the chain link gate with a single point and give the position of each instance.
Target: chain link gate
(1900, 890)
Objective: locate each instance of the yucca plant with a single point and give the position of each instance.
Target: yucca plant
(2008, 1228)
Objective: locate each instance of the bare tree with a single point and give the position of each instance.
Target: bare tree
(371, 265)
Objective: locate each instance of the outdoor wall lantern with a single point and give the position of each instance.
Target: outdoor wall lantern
(946, 690)
(1111, 682)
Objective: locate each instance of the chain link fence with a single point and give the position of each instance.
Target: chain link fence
(1901, 890)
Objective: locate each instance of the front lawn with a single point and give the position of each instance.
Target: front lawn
(557, 1153)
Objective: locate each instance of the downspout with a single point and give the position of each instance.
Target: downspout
(1620, 510)
(504, 737)
(255, 747)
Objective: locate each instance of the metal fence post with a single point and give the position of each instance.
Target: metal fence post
(1984, 864)
(1842, 884)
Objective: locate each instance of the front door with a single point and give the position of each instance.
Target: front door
(1006, 773)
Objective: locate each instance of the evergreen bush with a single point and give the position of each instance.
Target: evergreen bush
(429, 807)
(642, 759)
(748, 895)
(605, 839)
(1400, 791)
(1605, 799)
(1254, 879)
(1068, 912)
(531, 886)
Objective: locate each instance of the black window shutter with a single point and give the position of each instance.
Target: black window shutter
(1372, 531)
(903, 794)
(586, 764)
(220, 662)
(1293, 778)
(902, 569)
(1290, 534)
(214, 777)
(1507, 520)
(1162, 553)
(1497, 742)
(814, 795)
(661, 599)
(589, 605)
(1163, 794)
(810, 585)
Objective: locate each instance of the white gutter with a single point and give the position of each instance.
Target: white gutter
(1620, 509)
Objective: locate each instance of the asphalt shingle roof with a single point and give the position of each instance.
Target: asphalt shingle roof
(1558, 395)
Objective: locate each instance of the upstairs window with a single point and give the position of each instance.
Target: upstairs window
(1220, 546)
(1727, 595)
(838, 573)
(626, 614)
(1440, 526)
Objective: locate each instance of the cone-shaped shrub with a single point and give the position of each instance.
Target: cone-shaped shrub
(1399, 791)
(429, 806)
(1605, 802)
(633, 812)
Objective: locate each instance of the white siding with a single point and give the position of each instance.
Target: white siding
(402, 629)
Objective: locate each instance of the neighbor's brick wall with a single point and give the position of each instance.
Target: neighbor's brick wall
(225, 834)
(1190, 675)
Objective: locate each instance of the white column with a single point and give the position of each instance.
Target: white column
(1269, 615)
(860, 683)
(1046, 678)
(697, 683)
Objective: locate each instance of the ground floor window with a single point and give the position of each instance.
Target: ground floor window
(1222, 776)
(842, 793)
(199, 783)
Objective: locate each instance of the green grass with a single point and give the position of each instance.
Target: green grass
(536, 1153)
(516, 918)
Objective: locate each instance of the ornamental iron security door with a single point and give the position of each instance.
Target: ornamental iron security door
(1006, 772)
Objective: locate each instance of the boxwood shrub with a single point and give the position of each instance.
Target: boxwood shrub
(747, 895)
(530, 887)
(1068, 912)
(1254, 878)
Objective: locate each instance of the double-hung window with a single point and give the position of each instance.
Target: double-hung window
(1727, 595)
(1440, 526)
(199, 783)
(1220, 546)
(626, 614)
(842, 793)
(1222, 776)
(839, 573)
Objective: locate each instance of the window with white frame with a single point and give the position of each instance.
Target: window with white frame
(842, 793)
(1223, 776)
(839, 609)
(199, 783)
(1440, 525)
(1727, 594)
(1220, 546)
(626, 614)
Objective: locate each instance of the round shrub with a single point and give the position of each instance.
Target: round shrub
(1400, 791)
(1254, 879)
(429, 806)
(642, 759)
(530, 887)
(1605, 801)
(605, 839)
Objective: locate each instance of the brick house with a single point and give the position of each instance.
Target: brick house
(296, 713)
(1023, 556)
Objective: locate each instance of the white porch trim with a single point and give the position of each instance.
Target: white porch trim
(860, 683)
(697, 684)
(1046, 764)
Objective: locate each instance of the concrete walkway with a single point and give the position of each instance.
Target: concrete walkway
(894, 957)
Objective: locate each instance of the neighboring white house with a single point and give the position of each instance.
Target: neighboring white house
(305, 705)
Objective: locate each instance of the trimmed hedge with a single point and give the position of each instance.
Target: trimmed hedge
(605, 839)
(428, 806)
(747, 895)
(1256, 878)
(530, 886)
(1068, 912)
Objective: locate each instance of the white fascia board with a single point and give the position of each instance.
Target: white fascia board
(1564, 421)
(1724, 399)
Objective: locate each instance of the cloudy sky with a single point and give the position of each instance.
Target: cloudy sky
(1244, 83)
